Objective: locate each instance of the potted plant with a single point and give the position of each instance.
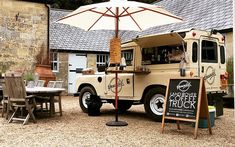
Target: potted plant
(29, 78)
(42, 58)
(43, 67)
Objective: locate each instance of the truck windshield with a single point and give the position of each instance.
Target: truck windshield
(209, 51)
(162, 54)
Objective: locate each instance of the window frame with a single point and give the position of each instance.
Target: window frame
(103, 57)
(53, 61)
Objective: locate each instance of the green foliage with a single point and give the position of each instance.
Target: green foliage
(74, 4)
(29, 76)
(230, 70)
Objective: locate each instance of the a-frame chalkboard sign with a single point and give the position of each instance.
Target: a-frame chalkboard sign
(186, 100)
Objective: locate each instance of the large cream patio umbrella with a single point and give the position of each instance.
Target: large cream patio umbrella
(118, 15)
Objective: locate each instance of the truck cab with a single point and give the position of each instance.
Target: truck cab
(150, 61)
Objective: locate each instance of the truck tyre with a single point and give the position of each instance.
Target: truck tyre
(84, 95)
(154, 102)
(123, 106)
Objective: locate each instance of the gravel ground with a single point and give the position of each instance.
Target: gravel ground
(76, 128)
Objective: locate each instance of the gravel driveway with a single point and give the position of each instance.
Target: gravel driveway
(76, 128)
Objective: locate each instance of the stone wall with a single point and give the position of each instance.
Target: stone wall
(91, 61)
(63, 70)
(229, 44)
(23, 32)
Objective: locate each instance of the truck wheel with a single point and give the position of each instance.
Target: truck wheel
(84, 95)
(123, 105)
(154, 102)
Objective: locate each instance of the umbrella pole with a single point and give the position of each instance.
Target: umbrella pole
(116, 122)
(116, 95)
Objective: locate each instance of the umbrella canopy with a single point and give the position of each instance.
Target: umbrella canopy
(119, 15)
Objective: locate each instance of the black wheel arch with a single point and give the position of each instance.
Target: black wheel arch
(86, 85)
(150, 87)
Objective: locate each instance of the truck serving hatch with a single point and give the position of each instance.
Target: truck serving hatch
(159, 40)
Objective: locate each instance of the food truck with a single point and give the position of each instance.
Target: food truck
(150, 61)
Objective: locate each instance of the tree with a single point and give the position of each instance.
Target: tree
(74, 4)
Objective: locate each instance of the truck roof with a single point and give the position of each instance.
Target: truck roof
(170, 38)
(159, 40)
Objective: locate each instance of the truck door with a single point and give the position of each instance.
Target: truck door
(209, 63)
(125, 85)
(125, 80)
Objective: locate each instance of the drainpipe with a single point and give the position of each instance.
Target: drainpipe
(48, 34)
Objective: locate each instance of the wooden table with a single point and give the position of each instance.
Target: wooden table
(129, 71)
(47, 92)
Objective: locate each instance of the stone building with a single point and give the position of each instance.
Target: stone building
(23, 32)
(74, 49)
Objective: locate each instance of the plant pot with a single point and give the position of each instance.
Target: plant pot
(44, 73)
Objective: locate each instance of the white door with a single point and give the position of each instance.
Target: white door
(210, 63)
(76, 64)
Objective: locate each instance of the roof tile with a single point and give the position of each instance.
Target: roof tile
(204, 14)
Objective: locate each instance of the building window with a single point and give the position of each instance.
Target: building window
(101, 59)
(55, 62)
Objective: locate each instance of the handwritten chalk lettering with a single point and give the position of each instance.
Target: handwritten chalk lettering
(182, 100)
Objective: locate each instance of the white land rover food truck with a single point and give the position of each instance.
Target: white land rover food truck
(151, 61)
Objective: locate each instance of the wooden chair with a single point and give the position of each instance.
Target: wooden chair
(5, 108)
(18, 99)
(39, 99)
(45, 100)
(58, 84)
(57, 99)
(40, 83)
(51, 84)
(30, 84)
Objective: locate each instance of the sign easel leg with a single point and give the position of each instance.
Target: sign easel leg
(196, 129)
(178, 124)
(163, 124)
(207, 110)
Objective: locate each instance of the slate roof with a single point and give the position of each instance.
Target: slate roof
(68, 38)
(200, 14)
